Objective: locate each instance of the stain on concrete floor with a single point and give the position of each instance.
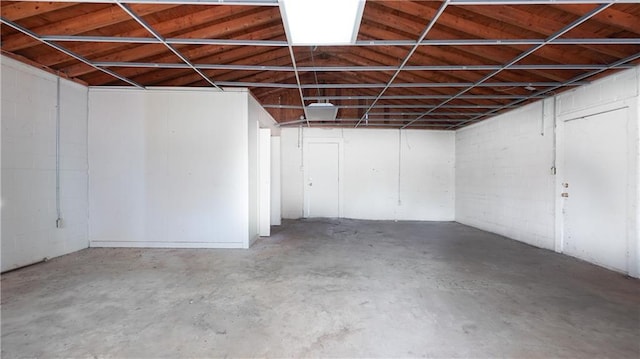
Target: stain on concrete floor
(329, 288)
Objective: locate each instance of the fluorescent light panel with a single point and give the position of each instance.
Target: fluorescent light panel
(321, 112)
(322, 22)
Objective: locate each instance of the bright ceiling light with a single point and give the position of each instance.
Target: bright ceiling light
(321, 22)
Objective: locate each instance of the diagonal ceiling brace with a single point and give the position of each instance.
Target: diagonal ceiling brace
(68, 52)
(516, 59)
(546, 91)
(148, 27)
(406, 59)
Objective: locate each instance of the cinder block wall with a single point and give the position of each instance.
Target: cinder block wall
(504, 179)
(504, 182)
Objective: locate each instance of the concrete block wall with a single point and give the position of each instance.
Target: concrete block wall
(504, 178)
(504, 182)
(29, 99)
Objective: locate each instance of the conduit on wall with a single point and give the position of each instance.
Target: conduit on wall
(58, 210)
(399, 164)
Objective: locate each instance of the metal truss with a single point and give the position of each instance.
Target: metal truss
(518, 58)
(165, 65)
(68, 52)
(275, 43)
(547, 91)
(156, 35)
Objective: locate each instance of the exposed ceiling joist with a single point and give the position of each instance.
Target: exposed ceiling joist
(414, 62)
(68, 53)
(520, 57)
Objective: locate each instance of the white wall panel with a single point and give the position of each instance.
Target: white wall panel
(168, 168)
(264, 178)
(292, 173)
(29, 232)
(276, 188)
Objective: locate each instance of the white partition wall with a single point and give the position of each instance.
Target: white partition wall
(264, 177)
(172, 168)
(29, 100)
(276, 216)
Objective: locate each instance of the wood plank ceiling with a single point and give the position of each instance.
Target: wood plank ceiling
(416, 64)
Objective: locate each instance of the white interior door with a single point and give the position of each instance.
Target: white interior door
(322, 179)
(595, 181)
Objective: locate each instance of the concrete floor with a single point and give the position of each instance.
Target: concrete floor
(342, 288)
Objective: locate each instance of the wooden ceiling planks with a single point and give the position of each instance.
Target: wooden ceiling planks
(382, 21)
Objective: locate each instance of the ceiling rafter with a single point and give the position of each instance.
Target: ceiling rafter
(530, 51)
(67, 52)
(148, 27)
(424, 34)
(450, 24)
(461, 72)
(146, 50)
(523, 19)
(21, 10)
(77, 25)
(546, 91)
(210, 16)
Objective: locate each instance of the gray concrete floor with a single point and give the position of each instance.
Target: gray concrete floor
(325, 288)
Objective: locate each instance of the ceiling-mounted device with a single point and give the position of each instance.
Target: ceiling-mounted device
(321, 111)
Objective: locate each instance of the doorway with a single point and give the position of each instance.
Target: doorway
(595, 186)
(322, 178)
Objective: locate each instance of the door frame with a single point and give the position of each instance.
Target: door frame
(305, 166)
(633, 175)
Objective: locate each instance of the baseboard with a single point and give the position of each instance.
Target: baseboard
(142, 244)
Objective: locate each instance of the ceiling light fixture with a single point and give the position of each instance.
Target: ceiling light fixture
(321, 22)
(321, 111)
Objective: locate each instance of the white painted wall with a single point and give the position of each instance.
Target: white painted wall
(254, 178)
(264, 177)
(504, 182)
(29, 232)
(169, 168)
(276, 194)
(385, 176)
(292, 180)
(259, 161)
